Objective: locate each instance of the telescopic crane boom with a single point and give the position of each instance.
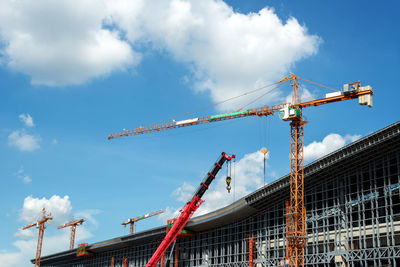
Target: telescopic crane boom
(293, 112)
(132, 221)
(40, 224)
(73, 225)
(188, 210)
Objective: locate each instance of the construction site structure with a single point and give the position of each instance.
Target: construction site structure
(296, 213)
(352, 199)
(73, 224)
(41, 225)
(132, 221)
(188, 210)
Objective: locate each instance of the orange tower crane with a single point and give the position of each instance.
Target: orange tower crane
(73, 225)
(132, 221)
(293, 112)
(40, 224)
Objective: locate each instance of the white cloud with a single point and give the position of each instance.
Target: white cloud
(227, 52)
(62, 42)
(54, 142)
(54, 240)
(23, 176)
(329, 144)
(60, 208)
(169, 213)
(8, 259)
(247, 176)
(184, 192)
(52, 243)
(21, 171)
(23, 141)
(27, 120)
(88, 215)
(27, 233)
(27, 179)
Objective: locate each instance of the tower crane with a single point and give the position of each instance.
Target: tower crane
(292, 112)
(73, 225)
(40, 224)
(132, 221)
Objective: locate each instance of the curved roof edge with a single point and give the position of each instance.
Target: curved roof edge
(326, 161)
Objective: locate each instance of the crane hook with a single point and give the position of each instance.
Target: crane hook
(228, 183)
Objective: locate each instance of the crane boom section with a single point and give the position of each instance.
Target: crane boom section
(29, 226)
(188, 210)
(71, 223)
(263, 111)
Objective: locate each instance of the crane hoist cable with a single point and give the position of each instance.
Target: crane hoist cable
(259, 97)
(317, 84)
(223, 101)
(228, 176)
(264, 151)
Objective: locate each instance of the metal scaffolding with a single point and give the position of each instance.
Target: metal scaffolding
(352, 198)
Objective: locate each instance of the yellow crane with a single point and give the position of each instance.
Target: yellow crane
(293, 112)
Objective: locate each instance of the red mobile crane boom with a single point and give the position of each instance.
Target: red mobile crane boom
(188, 210)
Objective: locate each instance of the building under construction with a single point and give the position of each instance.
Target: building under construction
(353, 219)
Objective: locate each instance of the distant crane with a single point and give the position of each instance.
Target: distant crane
(293, 112)
(73, 225)
(40, 224)
(132, 221)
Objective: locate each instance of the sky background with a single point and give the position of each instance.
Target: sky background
(72, 72)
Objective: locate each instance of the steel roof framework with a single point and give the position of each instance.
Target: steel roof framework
(353, 217)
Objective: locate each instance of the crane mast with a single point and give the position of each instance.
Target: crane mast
(188, 210)
(40, 224)
(296, 212)
(293, 112)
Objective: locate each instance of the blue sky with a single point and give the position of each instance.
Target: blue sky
(72, 73)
